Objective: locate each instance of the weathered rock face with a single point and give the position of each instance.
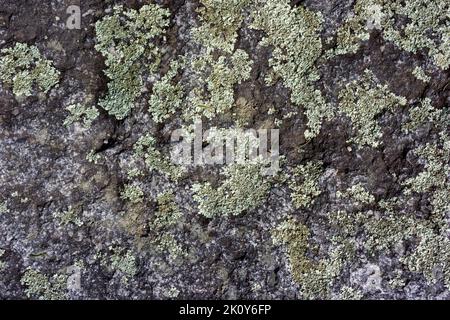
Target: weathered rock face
(92, 207)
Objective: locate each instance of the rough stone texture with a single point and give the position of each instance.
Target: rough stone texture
(43, 170)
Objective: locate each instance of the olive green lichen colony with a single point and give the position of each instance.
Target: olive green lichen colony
(93, 205)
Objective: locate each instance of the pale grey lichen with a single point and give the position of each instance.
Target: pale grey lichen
(126, 40)
(357, 193)
(123, 262)
(295, 35)
(305, 191)
(427, 27)
(22, 67)
(42, 287)
(80, 113)
(145, 148)
(167, 96)
(219, 23)
(3, 207)
(244, 188)
(362, 101)
(69, 216)
(132, 193)
(420, 74)
(218, 76)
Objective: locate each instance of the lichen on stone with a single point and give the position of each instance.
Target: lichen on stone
(69, 216)
(80, 113)
(2, 263)
(167, 96)
(295, 35)
(244, 188)
(425, 114)
(40, 286)
(121, 261)
(357, 193)
(163, 226)
(132, 193)
(126, 40)
(3, 207)
(23, 68)
(214, 94)
(219, 23)
(426, 28)
(420, 74)
(362, 101)
(145, 148)
(307, 189)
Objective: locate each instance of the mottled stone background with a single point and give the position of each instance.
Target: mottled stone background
(67, 231)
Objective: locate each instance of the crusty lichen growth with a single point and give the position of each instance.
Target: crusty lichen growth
(220, 20)
(41, 287)
(295, 35)
(80, 113)
(23, 68)
(295, 236)
(244, 188)
(167, 96)
(427, 27)
(436, 177)
(164, 225)
(121, 261)
(93, 157)
(70, 216)
(420, 74)
(316, 278)
(362, 101)
(366, 16)
(126, 40)
(425, 114)
(357, 193)
(307, 189)
(214, 94)
(145, 148)
(132, 193)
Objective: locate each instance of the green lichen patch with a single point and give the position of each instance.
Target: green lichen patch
(121, 261)
(70, 216)
(295, 35)
(366, 16)
(425, 114)
(164, 225)
(219, 22)
(420, 74)
(217, 77)
(23, 68)
(244, 188)
(81, 113)
(132, 193)
(42, 287)
(358, 194)
(304, 184)
(145, 148)
(315, 278)
(427, 27)
(435, 179)
(362, 101)
(126, 40)
(93, 157)
(167, 96)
